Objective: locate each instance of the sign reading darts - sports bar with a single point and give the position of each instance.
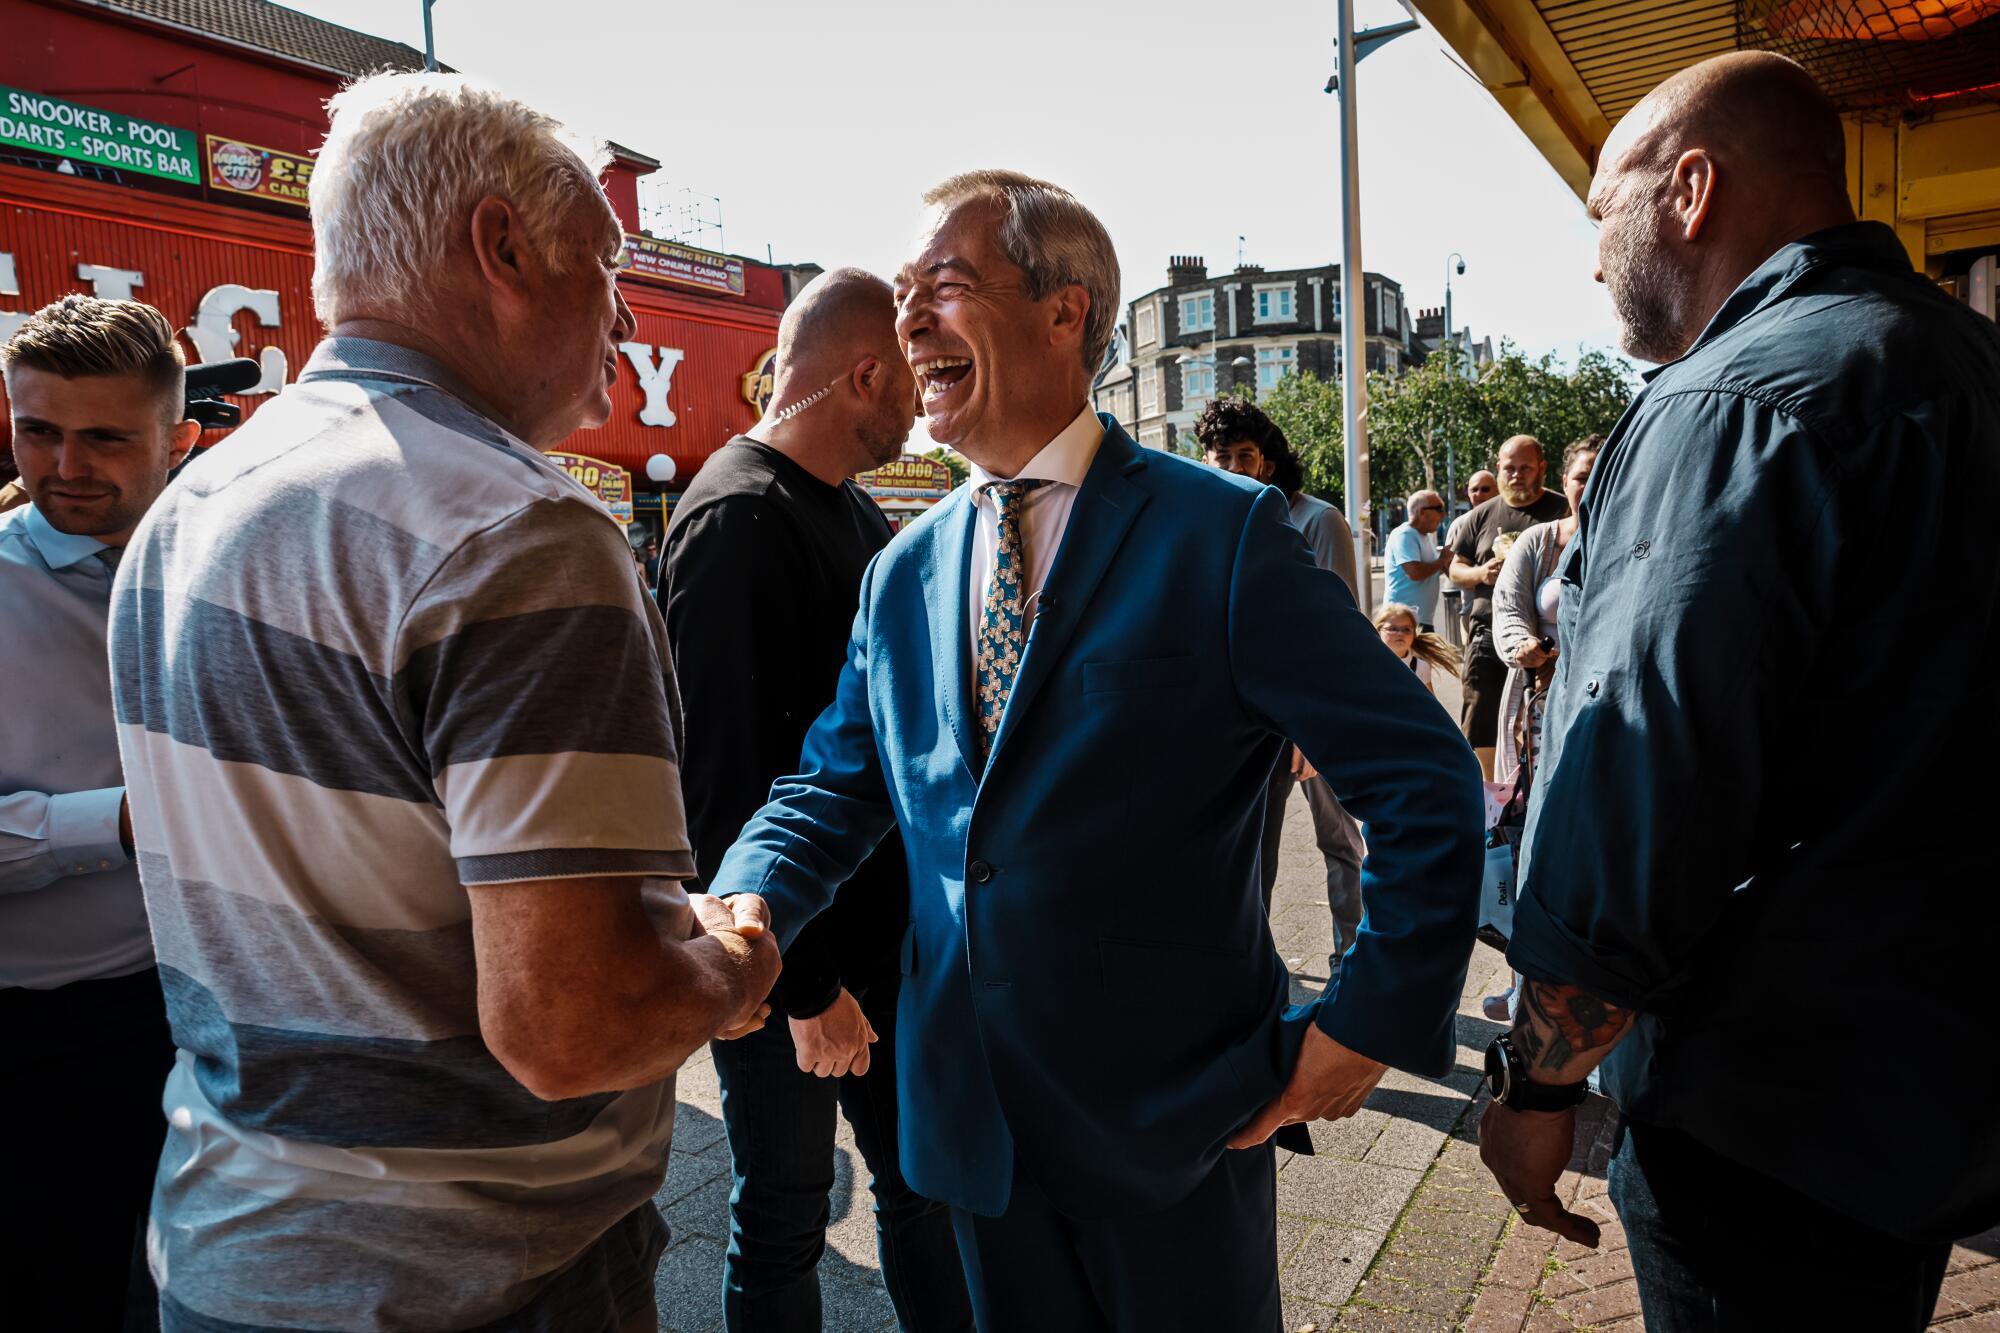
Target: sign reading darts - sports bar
(84, 134)
(265, 173)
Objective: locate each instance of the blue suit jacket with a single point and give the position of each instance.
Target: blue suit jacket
(1089, 978)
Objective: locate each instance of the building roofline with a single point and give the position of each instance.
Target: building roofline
(121, 14)
(632, 156)
(1256, 279)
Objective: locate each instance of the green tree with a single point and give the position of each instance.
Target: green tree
(953, 461)
(1307, 408)
(1542, 399)
(1418, 420)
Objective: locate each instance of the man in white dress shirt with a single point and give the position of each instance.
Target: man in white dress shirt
(1069, 696)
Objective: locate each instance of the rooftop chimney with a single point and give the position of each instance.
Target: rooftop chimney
(1183, 270)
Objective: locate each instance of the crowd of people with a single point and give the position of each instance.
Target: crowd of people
(376, 840)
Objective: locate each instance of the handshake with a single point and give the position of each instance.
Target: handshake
(743, 958)
(832, 1043)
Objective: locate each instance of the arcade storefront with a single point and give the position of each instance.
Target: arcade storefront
(195, 203)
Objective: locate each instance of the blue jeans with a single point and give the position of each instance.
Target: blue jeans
(781, 1125)
(1719, 1248)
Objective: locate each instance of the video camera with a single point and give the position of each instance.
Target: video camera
(207, 382)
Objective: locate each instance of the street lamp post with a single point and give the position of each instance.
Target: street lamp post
(1451, 341)
(430, 49)
(1353, 316)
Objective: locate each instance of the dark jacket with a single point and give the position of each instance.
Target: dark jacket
(1762, 818)
(1088, 979)
(760, 579)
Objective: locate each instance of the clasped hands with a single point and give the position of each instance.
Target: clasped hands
(741, 926)
(832, 1043)
(1329, 1082)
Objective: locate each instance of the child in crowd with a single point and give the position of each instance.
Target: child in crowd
(1422, 650)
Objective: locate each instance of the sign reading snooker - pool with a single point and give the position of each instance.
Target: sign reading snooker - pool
(85, 134)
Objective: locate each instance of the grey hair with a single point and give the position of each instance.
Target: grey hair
(1410, 500)
(1053, 239)
(407, 159)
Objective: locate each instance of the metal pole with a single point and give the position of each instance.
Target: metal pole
(1451, 342)
(430, 49)
(1353, 320)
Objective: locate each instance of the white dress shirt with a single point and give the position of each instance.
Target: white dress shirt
(1062, 463)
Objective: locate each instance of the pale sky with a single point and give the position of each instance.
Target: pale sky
(1182, 125)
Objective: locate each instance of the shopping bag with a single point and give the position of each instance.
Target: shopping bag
(1498, 885)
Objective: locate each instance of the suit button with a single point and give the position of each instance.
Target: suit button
(980, 872)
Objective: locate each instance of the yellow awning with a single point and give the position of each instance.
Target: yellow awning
(1918, 82)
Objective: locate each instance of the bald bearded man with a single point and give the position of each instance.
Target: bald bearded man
(759, 586)
(1750, 875)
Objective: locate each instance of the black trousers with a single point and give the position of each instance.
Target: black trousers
(781, 1124)
(81, 1071)
(1719, 1248)
(1209, 1262)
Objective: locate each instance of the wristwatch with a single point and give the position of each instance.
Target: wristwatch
(1507, 1079)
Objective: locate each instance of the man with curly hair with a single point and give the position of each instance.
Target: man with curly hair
(1237, 437)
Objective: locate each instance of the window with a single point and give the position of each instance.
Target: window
(1147, 333)
(1198, 313)
(1197, 381)
(1274, 304)
(1153, 437)
(1149, 391)
(1273, 364)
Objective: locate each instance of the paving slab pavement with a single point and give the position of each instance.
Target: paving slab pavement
(1539, 1283)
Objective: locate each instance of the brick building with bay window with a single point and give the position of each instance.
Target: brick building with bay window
(1199, 335)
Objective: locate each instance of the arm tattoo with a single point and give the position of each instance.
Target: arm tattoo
(1560, 1024)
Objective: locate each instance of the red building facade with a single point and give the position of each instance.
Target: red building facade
(108, 107)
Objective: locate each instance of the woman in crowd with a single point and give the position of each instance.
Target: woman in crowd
(1421, 650)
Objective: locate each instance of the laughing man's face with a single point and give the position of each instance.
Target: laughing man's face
(968, 328)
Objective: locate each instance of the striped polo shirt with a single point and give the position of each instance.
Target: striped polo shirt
(370, 651)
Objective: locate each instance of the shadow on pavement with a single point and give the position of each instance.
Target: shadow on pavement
(695, 1203)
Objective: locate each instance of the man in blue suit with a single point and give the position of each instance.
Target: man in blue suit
(1068, 692)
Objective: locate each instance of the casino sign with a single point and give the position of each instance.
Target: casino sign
(907, 486)
(759, 382)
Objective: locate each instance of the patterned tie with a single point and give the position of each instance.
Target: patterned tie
(109, 558)
(1002, 631)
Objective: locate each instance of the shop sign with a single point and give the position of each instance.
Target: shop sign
(213, 331)
(760, 381)
(607, 481)
(908, 478)
(215, 338)
(265, 173)
(85, 134)
(667, 261)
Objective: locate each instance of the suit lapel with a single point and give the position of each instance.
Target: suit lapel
(1106, 505)
(947, 576)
